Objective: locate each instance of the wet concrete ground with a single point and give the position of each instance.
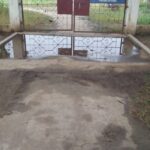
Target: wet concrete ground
(63, 104)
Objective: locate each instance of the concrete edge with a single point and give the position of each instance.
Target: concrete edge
(139, 43)
(70, 64)
(8, 38)
(73, 34)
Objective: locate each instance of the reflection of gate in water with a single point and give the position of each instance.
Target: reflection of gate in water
(94, 48)
(74, 15)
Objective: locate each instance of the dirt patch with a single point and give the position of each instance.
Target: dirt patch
(13, 87)
(141, 107)
(112, 137)
(128, 82)
(143, 29)
(15, 82)
(83, 102)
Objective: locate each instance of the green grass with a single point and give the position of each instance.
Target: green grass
(32, 1)
(106, 15)
(30, 18)
(39, 1)
(144, 14)
(109, 20)
(141, 108)
(4, 16)
(34, 18)
(102, 14)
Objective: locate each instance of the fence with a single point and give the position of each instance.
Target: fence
(43, 14)
(100, 17)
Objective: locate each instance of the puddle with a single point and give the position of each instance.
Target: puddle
(85, 48)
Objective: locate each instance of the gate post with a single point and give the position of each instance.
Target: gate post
(131, 16)
(16, 15)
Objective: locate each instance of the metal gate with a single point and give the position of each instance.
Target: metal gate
(74, 15)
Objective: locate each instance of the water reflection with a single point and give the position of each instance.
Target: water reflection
(38, 46)
(9, 49)
(92, 48)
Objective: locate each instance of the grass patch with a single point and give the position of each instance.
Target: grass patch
(4, 15)
(109, 20)
(144, 14)
(35, 19)
(141, 107)
(101, 13)
(32, 1)
(38, 1)
(30, 18)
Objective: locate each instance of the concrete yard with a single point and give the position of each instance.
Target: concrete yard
(66, 104)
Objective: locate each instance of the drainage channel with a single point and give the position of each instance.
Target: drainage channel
(95, 48)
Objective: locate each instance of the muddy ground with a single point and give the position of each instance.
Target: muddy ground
(64, 107)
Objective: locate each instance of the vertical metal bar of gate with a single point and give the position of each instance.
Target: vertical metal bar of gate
(73, 16)
(124, 16)
(72, 45)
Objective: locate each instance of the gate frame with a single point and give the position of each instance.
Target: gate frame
(73, 22)
(129, 20)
